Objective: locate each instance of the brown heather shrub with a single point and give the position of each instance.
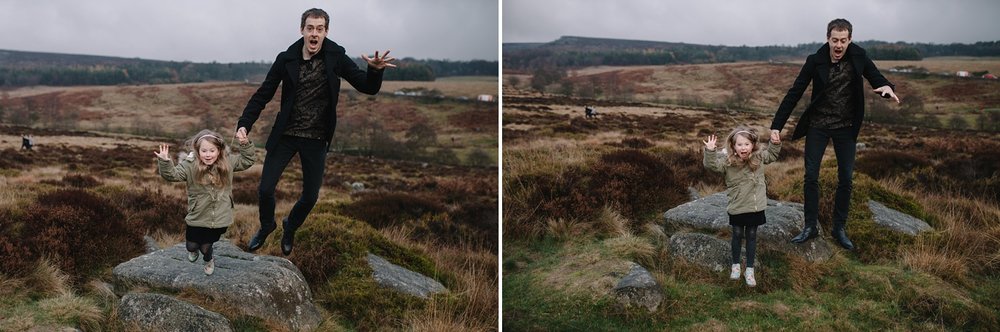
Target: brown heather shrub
(80, 181)
(576, 125)
(149, 210)
(636, 143)
(637, 184)
(382, 209)
(883, 164)
(81, 231)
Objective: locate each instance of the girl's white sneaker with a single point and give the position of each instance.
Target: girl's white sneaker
(210, 267)
(192, 256)
(735, 273)
(751, 280)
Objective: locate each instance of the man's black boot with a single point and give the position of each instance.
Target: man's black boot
(840, 235)
(258, 239)
(808, 232)
(287, 237)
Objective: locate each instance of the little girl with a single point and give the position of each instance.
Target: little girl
(209, 176)
(743, 166)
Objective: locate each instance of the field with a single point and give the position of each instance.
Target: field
(582, 197)
(434, 197)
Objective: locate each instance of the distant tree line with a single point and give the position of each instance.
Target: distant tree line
(32, 68)
(576, 52)
(410, 69)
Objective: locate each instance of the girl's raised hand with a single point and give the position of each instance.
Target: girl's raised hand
(164, 152)
(710, 144)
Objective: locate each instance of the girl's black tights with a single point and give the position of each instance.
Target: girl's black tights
(206, 249)
(750, 233)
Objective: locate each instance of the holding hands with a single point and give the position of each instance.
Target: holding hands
(377, 62)
(710, 144)
(775, 136)
(164, 152)
(241, 135)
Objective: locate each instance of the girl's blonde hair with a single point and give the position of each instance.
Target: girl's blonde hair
(734, 159)
(217, 174)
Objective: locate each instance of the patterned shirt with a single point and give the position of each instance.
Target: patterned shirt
(312, 96)
(834, 111)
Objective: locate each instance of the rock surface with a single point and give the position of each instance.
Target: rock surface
(267, 287)
(897, 221)
(784, 221)
(405, 281)
(156, 312)
(638, 288)
(702, 249)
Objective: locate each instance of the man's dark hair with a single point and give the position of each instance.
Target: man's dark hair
(837, 24)
(318, 13)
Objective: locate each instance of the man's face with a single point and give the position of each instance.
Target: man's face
(838, 41)
(314, 32)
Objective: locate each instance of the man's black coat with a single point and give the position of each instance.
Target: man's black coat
(817, 71)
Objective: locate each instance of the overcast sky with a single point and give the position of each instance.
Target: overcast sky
(248, 30)
(751, 23)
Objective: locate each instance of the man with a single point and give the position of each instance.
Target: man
(834, 113)
(308, 74)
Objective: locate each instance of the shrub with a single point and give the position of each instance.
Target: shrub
(81, 231)
(883, 164)
(636, 143)
(332, 253)
(80, 181)
(635, 183)
(148, 210)
(382, 209)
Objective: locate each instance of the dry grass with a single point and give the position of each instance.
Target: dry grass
(553, 157)
(451, 87)
(477, 306)
(565, 229)
(631, 246)
(71, 308)
(47, 279)
(609, 221)
(946, 64)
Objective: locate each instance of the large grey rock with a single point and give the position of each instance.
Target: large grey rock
(702, 249)
(267, 287)
(639, 288)
(156, 312)
(405, 281)
(784, 221)
(897, 221)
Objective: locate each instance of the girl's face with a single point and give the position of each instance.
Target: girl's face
(207, 152)
(743, 147)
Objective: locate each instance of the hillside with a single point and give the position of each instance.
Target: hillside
(412, 178)
(928, 100)
(585, 200)
(20, 68)
(576, 52)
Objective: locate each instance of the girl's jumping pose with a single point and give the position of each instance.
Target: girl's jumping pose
(742, 162)
(208, 172)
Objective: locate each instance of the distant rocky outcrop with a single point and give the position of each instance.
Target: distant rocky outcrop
(267, 287)
(638, 288)
(405, 281)
(157, 312)
(897, 221)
